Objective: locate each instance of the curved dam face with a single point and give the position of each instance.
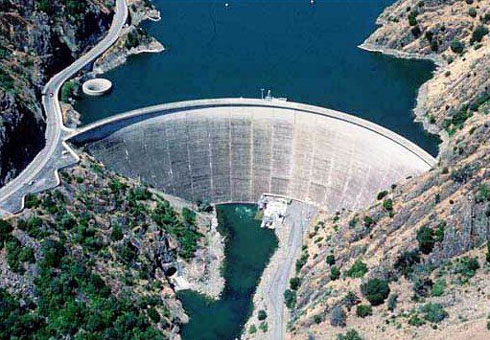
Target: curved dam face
(234, 150)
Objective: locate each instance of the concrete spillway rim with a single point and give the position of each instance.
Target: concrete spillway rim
(97, 86)
(171, 108)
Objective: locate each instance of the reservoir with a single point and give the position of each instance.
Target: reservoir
(247, 251)
(307, 53)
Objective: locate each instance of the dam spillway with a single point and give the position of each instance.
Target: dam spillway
(235, 150)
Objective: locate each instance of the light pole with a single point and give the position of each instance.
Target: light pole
(262, 93)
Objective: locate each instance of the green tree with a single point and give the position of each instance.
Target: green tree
(375, 291)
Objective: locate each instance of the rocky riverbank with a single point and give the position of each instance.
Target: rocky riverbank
(415, 264)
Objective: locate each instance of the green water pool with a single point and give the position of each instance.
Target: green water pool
(247, 249)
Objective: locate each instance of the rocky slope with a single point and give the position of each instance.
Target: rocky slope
(93, 259)
(415, 264)
(37, 39)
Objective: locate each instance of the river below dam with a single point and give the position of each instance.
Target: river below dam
(247, 249)
(307, 53)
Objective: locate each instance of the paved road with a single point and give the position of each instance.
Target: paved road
(56, 152)
(298, 217)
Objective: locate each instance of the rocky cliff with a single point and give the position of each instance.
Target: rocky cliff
(415, 264)
(38, 38)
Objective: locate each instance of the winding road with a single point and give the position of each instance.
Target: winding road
(41, 173)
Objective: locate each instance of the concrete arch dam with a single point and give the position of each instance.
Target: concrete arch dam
(234, 150)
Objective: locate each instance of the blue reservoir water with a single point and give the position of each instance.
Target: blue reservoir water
(306, 53)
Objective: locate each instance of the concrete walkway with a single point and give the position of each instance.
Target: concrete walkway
(41, 173)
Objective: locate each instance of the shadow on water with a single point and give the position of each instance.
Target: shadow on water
(247, 249)
(306, 53)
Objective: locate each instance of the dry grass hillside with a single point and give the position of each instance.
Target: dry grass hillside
(416, 264)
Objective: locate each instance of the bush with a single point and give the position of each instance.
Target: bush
(31, 201)
(290, 298)
(252, 329)
(472, 12)
(264, 327)
(358, 269)
(368, 221)
(262, 315)
(466, 266)
(412, 18)
(334, 273)
(438, 287)
(350, 300)
(392, 302)
(330, 260)
(457, 46)
(350, 335)
(154, 315)
(338, 317)
(317, 318)
(478, 34)
(433, 312)
(381, 195)
(406, 261)
(294, 283)
(376, 291)
(425, 238)
(364, 310)
(117, 234)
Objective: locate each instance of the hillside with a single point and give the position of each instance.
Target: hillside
(415, 264)
(93, 259)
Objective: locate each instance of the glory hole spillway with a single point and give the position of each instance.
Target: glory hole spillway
(234, 150)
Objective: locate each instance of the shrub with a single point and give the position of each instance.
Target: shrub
(338, 317)
(264, 327)
(31, 201)
(439, 234)
(358, 269)
(438, 287)
(294, 283)
(154, 315)
(422, 286)
(376, 291)
(478, 34)
(433, 312)
(317, 318)
(416, 321)
(434, 45)
(117, 234)
(334, 273)
(406, 261)
(392, 302)
(350, 335)
(472, 12)
(262, 315)
(290, 298)
(425, 238)
(301, 261)
(466, 266)
(381, 195)
(368, 221)
(457, 46)
(388, 204)
(330, 260)
(350, 300)
(252, 329)
(364, 310)
(412, 18)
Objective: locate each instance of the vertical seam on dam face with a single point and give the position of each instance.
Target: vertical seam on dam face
(204, 153)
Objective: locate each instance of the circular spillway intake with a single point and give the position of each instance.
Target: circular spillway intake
(97, 86)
